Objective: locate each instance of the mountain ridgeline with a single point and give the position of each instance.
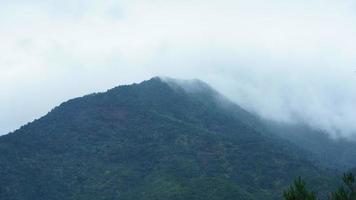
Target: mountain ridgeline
(157, 140)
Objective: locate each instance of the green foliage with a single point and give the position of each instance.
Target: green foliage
(148, 141)
(348, 190)
(298, 191)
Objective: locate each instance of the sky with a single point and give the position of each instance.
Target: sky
(289, 61)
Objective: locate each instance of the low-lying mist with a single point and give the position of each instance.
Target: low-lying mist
(291, 62)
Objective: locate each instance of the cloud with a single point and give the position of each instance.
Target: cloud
(288, 61)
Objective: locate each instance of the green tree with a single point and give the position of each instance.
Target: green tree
(298, 191)
(348, 190)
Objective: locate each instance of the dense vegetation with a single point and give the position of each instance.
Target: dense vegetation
(299, 191)
(150, 141)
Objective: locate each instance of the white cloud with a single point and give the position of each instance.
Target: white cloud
(284, 60)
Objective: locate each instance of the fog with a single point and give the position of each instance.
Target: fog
(289, 61)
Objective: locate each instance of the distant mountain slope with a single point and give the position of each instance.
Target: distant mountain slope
(353, 171)
(149, 141)
(332, 153)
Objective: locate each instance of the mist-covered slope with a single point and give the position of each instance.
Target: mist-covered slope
(333, 153)
(154, 140)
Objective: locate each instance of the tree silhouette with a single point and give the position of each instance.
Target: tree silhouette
(298, 191)
(348, 190)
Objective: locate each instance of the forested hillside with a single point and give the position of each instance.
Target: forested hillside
(154, 140)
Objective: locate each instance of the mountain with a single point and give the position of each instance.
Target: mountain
(353, 170)
(160, 139)
(329, 152)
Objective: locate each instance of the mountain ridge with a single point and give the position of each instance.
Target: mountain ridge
(149, 141)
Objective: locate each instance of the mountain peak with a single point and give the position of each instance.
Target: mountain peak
(189, 85)
(164, 87)
(160, 139)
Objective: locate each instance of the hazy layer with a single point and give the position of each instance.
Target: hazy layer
(288, 61)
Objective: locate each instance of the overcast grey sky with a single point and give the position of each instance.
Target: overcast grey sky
(286, 60)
